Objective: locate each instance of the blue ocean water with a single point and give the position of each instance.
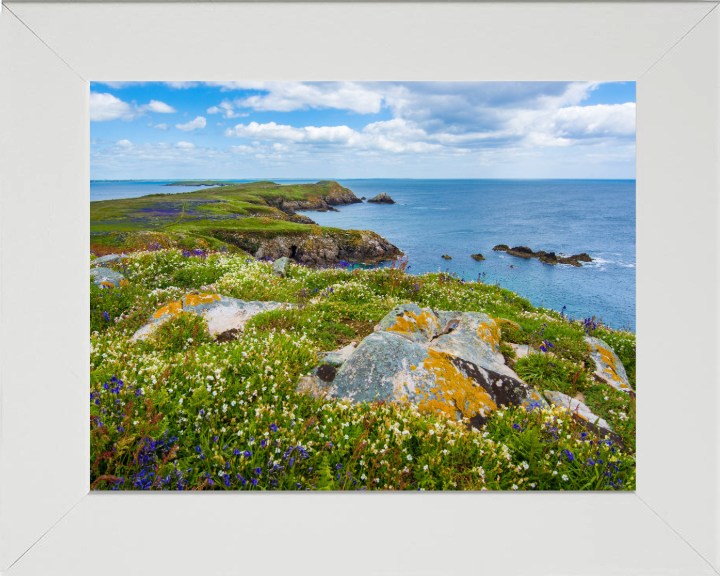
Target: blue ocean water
(464, 217)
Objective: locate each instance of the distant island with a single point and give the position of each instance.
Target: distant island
(259, 218)
(201, 183)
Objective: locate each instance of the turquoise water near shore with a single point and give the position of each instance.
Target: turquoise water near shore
(464, 217)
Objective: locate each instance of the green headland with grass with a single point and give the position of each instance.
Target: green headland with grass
(186, 409)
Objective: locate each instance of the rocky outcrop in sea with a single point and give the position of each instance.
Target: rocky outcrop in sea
(382, 198)
(547, 257)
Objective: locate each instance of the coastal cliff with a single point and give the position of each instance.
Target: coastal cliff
(259, 218)
(316, 246)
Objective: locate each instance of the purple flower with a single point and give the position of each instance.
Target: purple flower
(254, 482)
(273, 427)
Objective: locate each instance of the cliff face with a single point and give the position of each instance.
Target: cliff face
(316, 247)
(336, 196)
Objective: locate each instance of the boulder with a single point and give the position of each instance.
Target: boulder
(447, 362)
(338, 357)
(107, 259)
(220, 312)
(577, 408)
(501, 248)
(382, 198)
(447, 257)
(608, 367)
(107, 278)
(522, 350)
(280, 266)
(477, 257)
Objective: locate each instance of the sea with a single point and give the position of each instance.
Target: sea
(432, 218)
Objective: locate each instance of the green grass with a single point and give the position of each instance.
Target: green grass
(183, 411)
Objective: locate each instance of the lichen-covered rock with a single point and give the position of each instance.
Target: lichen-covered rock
(382, 198)
(445, 362)
(479, 257)
(576, 407)
(338, 357)
(608, 366)
(107, 278)
(447, 257)
(107, 259)
(220, 312)
(281, 265)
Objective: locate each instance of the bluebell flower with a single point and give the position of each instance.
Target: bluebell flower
(273, 427)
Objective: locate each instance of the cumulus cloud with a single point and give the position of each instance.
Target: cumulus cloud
(161, 126)
(290, 96)
(196, 124)
(104, 107)
(227, 109)
(181, 85)
(124, 144)
(159, 107)
(185, 145)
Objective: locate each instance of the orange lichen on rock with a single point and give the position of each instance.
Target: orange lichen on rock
(202, 298)
(410, 323)
(489, 332)
(107, 284)
(609, 360)
(453, 391)
(172, 308)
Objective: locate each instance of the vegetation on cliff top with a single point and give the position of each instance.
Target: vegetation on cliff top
(181, 410)
(185, 217)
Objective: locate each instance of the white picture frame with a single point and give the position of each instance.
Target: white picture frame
(49, 521)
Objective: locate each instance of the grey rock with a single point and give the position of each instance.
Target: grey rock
(281, 265)
(107, 278)
(107, 259)
(446, 362)
(220, 312)
(608, 367)
(578, 409)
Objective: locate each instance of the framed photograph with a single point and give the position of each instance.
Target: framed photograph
(398, 252)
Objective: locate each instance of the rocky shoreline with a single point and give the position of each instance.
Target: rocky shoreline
(547, 257)
(316, 247)
(337, 196)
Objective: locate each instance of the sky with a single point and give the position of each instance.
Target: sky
(344, 130)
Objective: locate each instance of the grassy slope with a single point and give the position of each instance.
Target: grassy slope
(192, 413)
(240, 207)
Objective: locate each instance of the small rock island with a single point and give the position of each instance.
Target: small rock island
(547, 257)
(382, 198)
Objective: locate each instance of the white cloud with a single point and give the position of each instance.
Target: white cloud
(199, 122)
(124, 144)
(159, 107)
(181, 85)
(161, 126)
(185, 145)
(104, 107)
(227, 109)
(289, 96)
(273, 131)
(596, 121)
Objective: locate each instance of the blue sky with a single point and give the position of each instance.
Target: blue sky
(334, 130)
